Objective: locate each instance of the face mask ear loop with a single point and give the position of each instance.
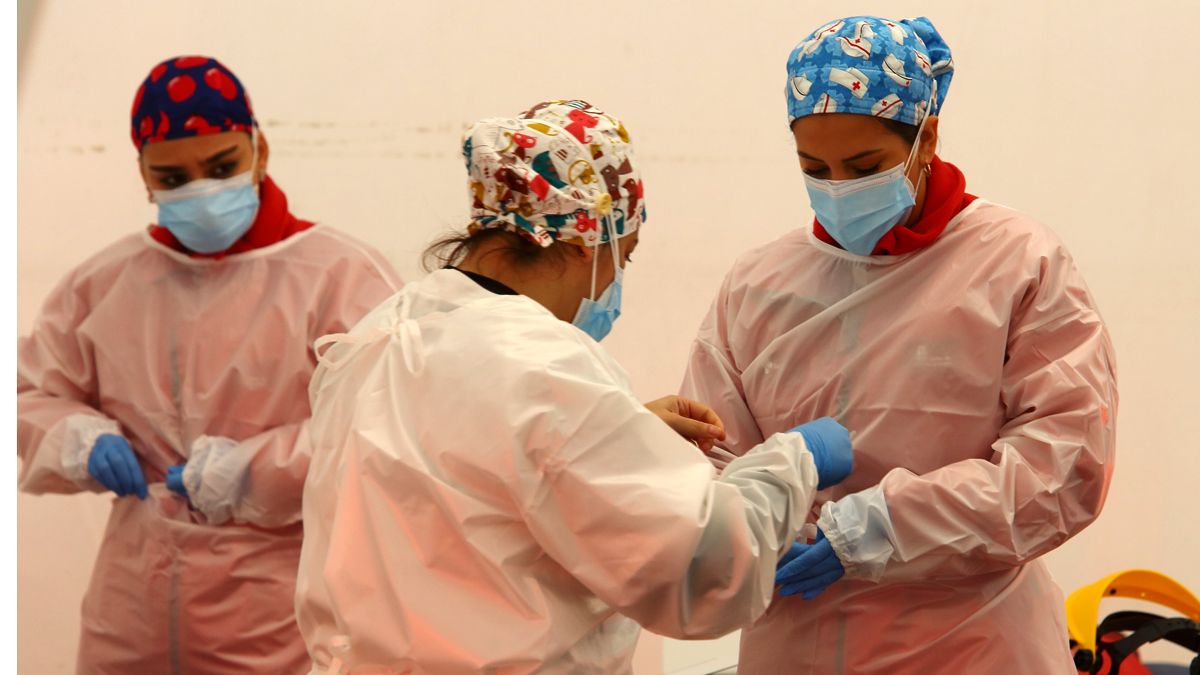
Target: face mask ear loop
(595, 260)
(603, 208)
(912, 154)
(613, 244)
(611, 227)
(254, 157)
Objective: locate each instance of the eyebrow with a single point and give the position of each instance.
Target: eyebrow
(211, 160)
(848, 159)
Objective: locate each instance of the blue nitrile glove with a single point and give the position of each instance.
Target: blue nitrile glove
(175, 480)
(829, 443)
(114, 465)
(808, 568)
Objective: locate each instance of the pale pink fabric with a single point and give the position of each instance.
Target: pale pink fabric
(165, 349)
(980, 380)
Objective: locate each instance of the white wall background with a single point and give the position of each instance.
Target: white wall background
(1080, 113)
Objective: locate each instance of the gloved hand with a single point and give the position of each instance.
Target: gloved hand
(175, 480)
(829, 443)
(808, 568)
(114, 465)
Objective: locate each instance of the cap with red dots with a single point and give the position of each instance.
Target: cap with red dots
(189, 96)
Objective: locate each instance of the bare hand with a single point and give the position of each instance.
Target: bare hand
(694, 421)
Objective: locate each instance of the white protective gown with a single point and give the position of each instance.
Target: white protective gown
(980, 380)
(487, 495)
(205, 361)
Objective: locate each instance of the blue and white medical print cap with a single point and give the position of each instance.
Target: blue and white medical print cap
(866, 65)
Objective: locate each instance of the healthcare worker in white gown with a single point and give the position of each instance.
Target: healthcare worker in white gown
(486, 493)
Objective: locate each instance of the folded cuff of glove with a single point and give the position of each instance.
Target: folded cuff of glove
(213, 477)
(81, 434)
(859, 528)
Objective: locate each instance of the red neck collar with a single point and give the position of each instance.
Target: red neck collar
(945, 197)
(273, 224)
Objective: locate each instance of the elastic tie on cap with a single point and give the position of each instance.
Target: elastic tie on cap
(604, 204)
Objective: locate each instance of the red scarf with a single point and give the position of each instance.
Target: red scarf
(273, 224)
(945, 197)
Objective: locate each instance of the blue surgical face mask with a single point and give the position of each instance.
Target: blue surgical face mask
(857, 213)
(209, 215)
(596, 317)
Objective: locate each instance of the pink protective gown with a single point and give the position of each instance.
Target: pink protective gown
(980, 380)
(191, 358)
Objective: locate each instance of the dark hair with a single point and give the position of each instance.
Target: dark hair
(906, 131)
(902, 129)
(453, 247)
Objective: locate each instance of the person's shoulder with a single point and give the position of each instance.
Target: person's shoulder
(517, 324)
(794, 243)
(1015, 250)
(516, 331)
(996, 221)
(111, 259)
(329, 236)
(327, 246)
(771, 264)
(84, 284)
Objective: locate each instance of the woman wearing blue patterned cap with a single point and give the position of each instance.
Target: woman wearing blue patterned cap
(960, 342)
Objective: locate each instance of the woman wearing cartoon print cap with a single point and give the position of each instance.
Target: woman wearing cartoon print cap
(171, 369)
(507, 499)
(957, 338)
